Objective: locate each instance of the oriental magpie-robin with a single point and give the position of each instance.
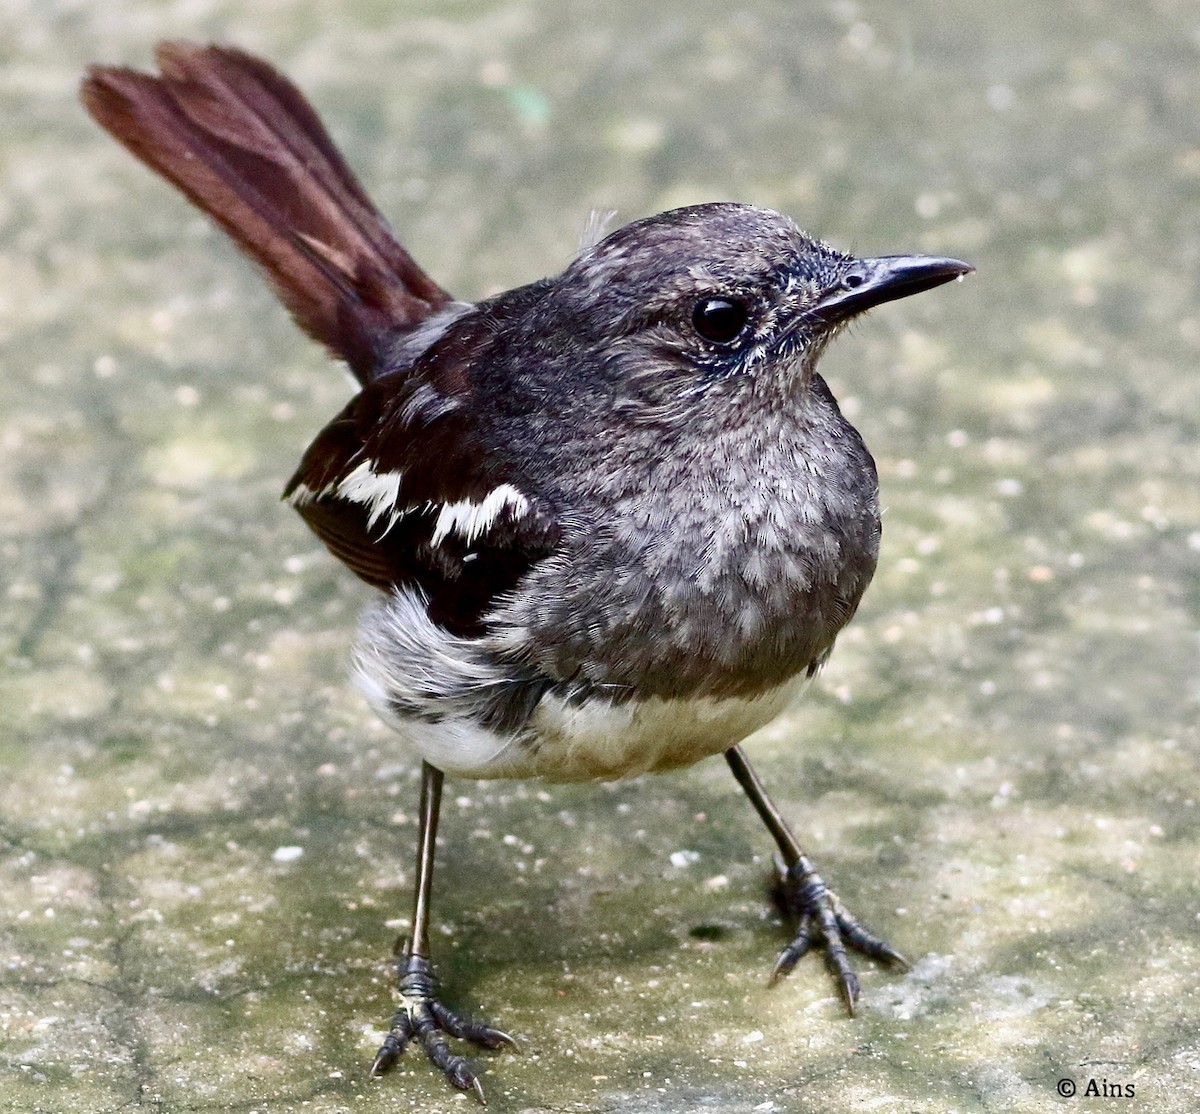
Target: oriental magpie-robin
(614, 517)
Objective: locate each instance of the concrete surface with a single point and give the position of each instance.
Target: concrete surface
(207, 840)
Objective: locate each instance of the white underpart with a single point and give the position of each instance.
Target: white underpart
(457, 745)
(599, 740)
(402, 658)
(470, 519)
(593, 741)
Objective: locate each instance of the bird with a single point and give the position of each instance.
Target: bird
(613, 518)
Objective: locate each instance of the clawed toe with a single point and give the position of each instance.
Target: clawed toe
(823, 923)
(423, 1018)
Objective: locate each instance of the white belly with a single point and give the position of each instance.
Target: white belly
(603, 741)
(596, 741)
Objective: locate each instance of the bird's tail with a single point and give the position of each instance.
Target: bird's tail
(244, 145)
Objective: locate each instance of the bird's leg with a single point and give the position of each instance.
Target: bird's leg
(821, 919)
(421, 1015)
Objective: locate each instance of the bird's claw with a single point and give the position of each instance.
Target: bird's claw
(823, 922)
(423, 1018)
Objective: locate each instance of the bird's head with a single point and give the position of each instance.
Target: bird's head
(710, 297)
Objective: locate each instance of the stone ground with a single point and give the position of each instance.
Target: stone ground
(207, 839)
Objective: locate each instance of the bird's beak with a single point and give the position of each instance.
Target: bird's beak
(871, 282)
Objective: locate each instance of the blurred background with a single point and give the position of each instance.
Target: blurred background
(206, 838)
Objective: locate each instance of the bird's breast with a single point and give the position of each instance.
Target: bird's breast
(721, 572)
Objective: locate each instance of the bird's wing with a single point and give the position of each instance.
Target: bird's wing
(403, 489)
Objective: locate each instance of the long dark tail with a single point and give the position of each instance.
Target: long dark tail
(244, 145)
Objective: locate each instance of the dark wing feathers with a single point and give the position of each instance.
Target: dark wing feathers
(402, 488)
(242, 143)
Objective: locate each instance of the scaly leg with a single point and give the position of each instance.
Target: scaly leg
(421, 1014)
(821, 919)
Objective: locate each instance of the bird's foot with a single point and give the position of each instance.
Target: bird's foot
(823, 922)
(423, 1018)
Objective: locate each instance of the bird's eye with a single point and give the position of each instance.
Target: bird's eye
(719, 320)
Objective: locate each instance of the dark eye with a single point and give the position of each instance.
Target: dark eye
(719, 320)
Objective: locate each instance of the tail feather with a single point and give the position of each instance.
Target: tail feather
(242, 143)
